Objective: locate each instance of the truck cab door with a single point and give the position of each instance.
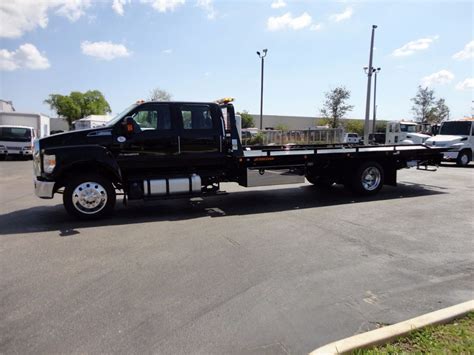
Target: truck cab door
(154, 141)
(201, 133)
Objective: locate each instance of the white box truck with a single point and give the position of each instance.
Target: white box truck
(92, 121)
(18, 130)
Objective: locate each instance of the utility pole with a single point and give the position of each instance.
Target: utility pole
(369, 81)
(262, 57)
(375, 99)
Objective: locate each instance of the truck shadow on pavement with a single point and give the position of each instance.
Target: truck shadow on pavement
(54, 218)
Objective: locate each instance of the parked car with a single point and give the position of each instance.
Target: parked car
(351, 138)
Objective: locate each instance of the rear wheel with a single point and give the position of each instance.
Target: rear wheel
(368, 179)
(464, 157)
(89, 196)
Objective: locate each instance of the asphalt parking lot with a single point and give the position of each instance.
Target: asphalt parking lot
(269, 270)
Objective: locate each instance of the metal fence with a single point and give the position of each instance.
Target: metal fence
(308, 136)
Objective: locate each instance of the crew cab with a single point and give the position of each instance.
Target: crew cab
(458, 137)
(160, 150)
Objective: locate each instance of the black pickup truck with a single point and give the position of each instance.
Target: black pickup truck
(160, 150)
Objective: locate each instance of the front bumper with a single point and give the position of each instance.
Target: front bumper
(44, 189)
(450, 155)
(22, 153)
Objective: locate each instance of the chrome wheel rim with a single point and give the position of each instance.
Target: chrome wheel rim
(371, 178)
(464, 159)
(89, 197)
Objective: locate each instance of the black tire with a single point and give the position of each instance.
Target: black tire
(464, 157)
(89, 196)
(320, 181)
(368, 179)
(3, 157)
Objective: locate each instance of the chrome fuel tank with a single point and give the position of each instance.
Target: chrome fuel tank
(172, 186)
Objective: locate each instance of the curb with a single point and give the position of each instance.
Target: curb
(391, 332)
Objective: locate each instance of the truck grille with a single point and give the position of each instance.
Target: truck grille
(14, 148)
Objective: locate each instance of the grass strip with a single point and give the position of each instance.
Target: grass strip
(456, 337)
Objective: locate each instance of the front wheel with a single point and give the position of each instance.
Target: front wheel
(464, 157)
(89, 196)
(368, 179)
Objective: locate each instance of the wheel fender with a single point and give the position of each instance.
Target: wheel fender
(84, 157)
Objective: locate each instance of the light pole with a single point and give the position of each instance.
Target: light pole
(375, 98)
(369, 81)
(262, 57)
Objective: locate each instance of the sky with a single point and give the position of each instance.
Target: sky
(203, 50)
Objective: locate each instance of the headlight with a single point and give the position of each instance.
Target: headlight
(49, 162)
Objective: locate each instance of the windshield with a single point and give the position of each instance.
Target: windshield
(410, 128)
(455, 128)
(15, 134)
(121, 115)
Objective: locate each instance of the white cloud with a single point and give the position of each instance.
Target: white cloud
(164, 5)
(20, 16)
(167, 51)
(414, 46)
(26, 56)
(207, 6)
(345, 15)
(104, 50)
(442, 77)
(466, 84)
(72, 9)
(117, 6)
(316, 27)
(278, 4)
(466, 53)
(288, 21)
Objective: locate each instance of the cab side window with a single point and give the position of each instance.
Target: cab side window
(154, 117)
(196, 117)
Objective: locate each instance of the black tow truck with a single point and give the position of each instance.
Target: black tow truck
(161, 150)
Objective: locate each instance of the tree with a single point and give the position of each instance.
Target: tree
(247, 119)
(77, 105)
(354, 126)
(158, 94)
(423, 103)
(282, 127)
(427, 109)
(439, 112)
(335, 106)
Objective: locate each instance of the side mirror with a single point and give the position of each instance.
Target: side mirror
(128, 126)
